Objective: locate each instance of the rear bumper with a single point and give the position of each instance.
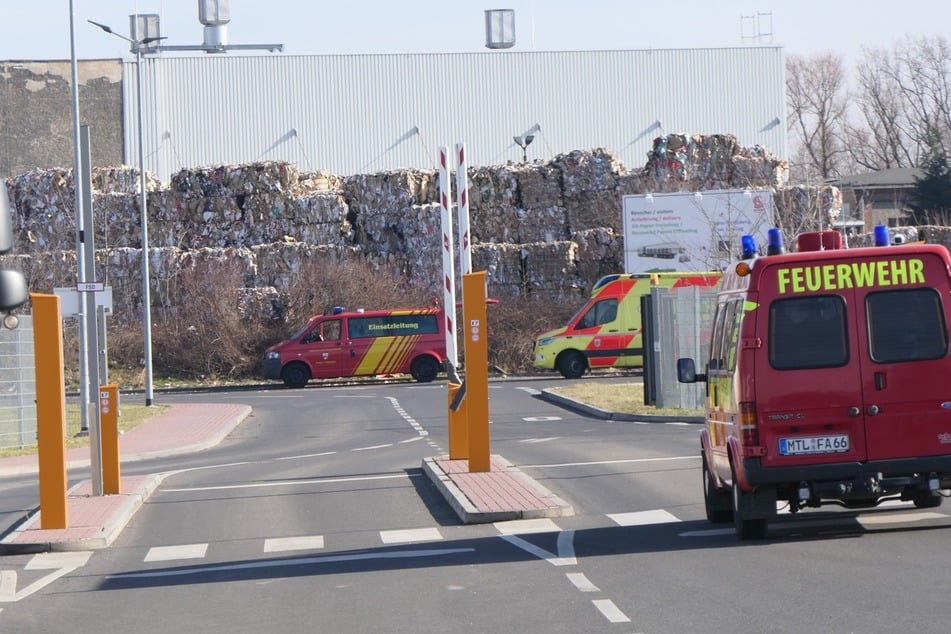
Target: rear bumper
(756, 474)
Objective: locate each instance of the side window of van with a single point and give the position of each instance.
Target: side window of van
(906, 325)
(734, 319)
(331, 330)
(808, 332)
(716, 339)
(601, 313)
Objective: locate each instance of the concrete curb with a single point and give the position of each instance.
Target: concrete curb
(469, 513)
(594, 412)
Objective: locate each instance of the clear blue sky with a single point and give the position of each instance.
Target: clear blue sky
(39, 29)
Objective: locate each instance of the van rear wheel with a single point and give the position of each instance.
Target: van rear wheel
(717, 503)
(746, 528)
(572, 364)
(424, 369)
(295, 375)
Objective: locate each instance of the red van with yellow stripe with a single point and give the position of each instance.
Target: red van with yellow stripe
(361, 343)
(606, 331)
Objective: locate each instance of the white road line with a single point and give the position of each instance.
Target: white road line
(303, 561)
(307, 455)
(642, 518)
(610, 611)
(60, 563)
(535, 441)
(601, 462)
(48, 561)
(287, 483)
(372, 447)
(182, 551)
(402, 412)
(283, 544)
(410, 535)
(580, 581)
(8, 585)
(529, 390)
(889, 518)
(409, 440)
(524, 527)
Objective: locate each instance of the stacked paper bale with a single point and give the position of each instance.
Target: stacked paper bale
(549, 268)
(589, 186)
(540, 213)
(280, 264)
(493, 204)
(599, 252)
(383, 206)
(502, 263)
(44, 210)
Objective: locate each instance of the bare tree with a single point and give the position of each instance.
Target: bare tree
(903, 95)
(817, 99)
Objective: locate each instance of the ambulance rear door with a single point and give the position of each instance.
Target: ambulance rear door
(904, 353)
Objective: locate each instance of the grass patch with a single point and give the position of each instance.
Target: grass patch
(129, 417)
(623, 398)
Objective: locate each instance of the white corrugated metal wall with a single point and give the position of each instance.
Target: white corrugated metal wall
(357, 114)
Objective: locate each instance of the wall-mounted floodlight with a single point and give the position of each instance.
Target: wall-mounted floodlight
(523, 142)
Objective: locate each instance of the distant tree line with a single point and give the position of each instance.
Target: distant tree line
(895, 113)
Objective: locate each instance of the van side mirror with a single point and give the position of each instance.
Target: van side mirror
(687, 372)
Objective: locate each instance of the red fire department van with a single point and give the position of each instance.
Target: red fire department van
(361, 343)
(606, 331)
(827, 381)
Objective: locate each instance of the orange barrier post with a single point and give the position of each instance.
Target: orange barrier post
(477, 369)
(109, 427)
(50, 409)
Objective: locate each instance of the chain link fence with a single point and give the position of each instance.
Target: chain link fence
(17, 385)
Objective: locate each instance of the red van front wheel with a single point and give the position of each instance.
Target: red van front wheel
(295, 375)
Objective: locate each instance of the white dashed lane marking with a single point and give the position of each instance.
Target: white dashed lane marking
(283, 544)
(171, 553)
(407, 536)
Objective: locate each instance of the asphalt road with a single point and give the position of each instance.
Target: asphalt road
(314, 515)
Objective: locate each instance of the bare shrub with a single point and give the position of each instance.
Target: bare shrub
(513, 324)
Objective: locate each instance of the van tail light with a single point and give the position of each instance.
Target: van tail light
(749, 427)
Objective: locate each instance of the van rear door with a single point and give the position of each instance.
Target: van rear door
(904, 355)
(808, 381)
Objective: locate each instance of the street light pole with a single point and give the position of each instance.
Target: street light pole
(143, 208)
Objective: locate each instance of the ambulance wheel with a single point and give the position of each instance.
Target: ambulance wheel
(746, 528)
(424, 369)
(572, 364)
(295, 375)
(716, 502)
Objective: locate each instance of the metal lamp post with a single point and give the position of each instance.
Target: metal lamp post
(143, 209)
